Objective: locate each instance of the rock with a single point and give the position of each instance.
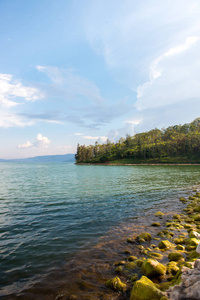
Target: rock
(139, 262)
(164, 245)
(130, 265)
(130, 240)
(193, 242)
(134, 277)
(189, 286)
(127, 251)
(145, 289)
(144, 236)
(122, 262)
(159, 214)
(119, 269)
(196, 217)
(155, 224)
(172, 268)
(180, 240)
(132, 258)
(180, 247)
(175, 256)
(155, 255)
(152, 268)
(116, 284)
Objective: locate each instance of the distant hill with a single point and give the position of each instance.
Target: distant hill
(46, 158)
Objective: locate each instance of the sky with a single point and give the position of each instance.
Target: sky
(84, 71)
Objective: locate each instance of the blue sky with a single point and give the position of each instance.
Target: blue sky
(79, 71)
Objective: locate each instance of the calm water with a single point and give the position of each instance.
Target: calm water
(48, 212)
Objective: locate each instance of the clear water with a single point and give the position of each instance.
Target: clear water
(48, 212)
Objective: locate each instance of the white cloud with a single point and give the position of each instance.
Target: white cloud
(79, 133)
(41, 142)
(173, 77)
(96, 138)
(71, 86)
(8, 119)
(11, 90)
(26, 145)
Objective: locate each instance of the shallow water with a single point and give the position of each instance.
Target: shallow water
(50, 213)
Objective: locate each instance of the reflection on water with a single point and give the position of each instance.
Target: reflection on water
(52, 216)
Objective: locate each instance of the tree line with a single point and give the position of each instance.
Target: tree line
(175, 144)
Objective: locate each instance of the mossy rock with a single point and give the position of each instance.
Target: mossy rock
(144, 236)
(127, 251)
(118, 263)
(188, 265)
(145, 289)
(188, 226)
(139, 262)
(190, 248)
(159, 214)
(119, 269)
(180, 247)
(155, 224)
(175, 256)
(193, 255)
(130, 265)
(197, 195)
(164, 245)
(192, 198)
(182, 199)
(172, 268)
(116, 284)
(180, 240)
(130, 241)
(193, 241)
(152, 268)
(132, 258)
(155, 255)
(192, 234)
(197, 208)
(196, 217)
(177, 217)
(134, 277)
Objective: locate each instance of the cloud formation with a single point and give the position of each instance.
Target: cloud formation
(11, 90)
(41, 142)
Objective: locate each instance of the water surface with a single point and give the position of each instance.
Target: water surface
(49, 212)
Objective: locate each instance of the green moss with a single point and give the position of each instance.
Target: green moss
(144, 236)
(134, 277)
(130, 240)
(119, 269)
(130, 265)
(122, 262)
(155, 224)
(180, 240)
(177, 217)
(180, 247)
(152, 268)
(139, 262)
(197, 208)
(159, 214)
(155, 255)
(145, 289)
(196, 217)
(127, 251)
(164, 245)
(193, 241)
(190, 248)
(116, 284)
(193, 254)
(172, 268)
(132, 258)
(175, 256)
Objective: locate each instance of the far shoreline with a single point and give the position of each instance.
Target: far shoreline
(140, 164)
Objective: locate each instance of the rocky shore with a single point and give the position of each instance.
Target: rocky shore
(167, 265)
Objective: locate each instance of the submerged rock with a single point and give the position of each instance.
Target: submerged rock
(116, 284)
(144, 236)
(175, 256)
(145, 289)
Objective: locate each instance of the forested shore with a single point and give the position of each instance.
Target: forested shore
(175, 144)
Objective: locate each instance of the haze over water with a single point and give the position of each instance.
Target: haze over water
(48, 212)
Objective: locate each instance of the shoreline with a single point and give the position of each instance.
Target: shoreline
(123, 271)
(86, 275)
(139, 164)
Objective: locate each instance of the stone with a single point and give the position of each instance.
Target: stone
(144, 236)
(159, 214)
(175, 256)
(155, 224)
(132, 258)
(152, 268)
(145, 289)
(155, 255)
(116, 284)
(172, 268)
(164, 245)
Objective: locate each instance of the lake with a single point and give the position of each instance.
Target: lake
(51, 211)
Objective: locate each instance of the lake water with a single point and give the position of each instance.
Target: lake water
(50, 212)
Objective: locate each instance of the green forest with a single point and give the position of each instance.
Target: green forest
(175, 144)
